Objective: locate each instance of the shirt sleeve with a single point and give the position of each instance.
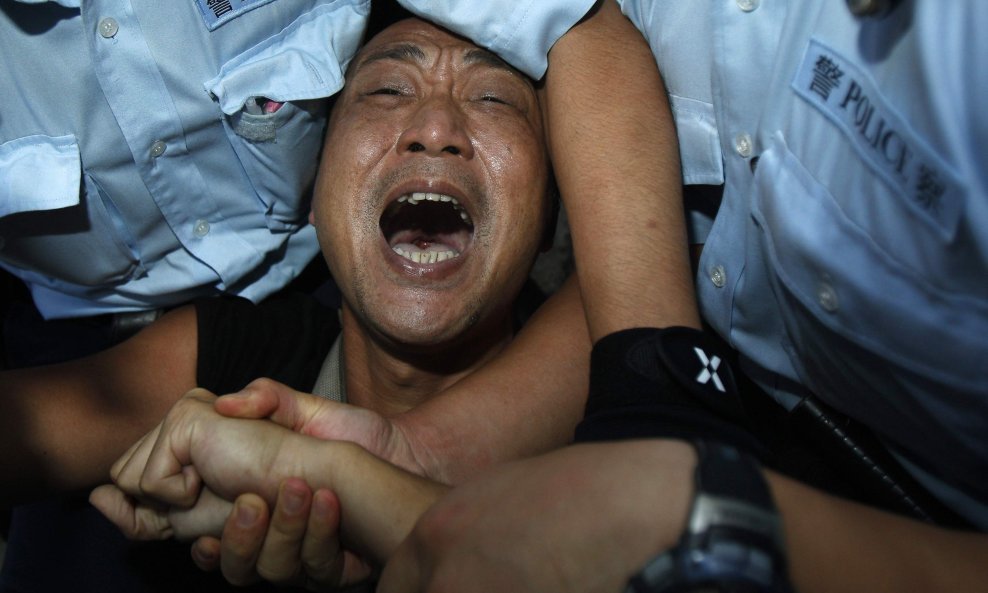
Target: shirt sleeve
(285, 339)
(521, 32)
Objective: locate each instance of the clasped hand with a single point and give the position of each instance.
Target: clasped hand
(198, 459)
(177, 481)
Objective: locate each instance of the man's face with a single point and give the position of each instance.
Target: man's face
(432, 194)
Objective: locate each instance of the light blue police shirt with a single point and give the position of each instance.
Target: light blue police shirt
(850, 252)
(138, 169)
(521, 32)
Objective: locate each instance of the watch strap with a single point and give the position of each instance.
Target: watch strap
(733, 538)
(724, 471)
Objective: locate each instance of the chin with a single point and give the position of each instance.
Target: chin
(419, 327)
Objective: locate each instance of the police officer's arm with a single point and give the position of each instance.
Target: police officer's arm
(62, 426)
(633, 501)
(525, 401)
(837, 545)
(613, 146)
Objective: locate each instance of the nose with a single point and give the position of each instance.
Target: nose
(437, 128)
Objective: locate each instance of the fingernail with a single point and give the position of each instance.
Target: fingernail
(293, 500)
(203, 557)
(246, 515)
(323, 506)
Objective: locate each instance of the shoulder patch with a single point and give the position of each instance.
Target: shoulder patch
(216, 13)
(847, 96)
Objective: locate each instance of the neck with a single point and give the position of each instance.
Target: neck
(391, 379)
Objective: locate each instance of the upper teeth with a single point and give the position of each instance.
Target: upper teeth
(415, 197)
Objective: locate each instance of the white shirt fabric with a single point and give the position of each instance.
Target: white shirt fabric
(850, 252)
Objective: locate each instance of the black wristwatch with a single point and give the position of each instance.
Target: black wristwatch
(733, 540)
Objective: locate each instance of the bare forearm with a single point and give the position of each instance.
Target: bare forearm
(526, 401)
(29, 427)
(379, 501)
(836, 545)
(614, 150)
(61, 432)
(62, 426)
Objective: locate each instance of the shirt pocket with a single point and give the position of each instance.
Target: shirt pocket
(278, 154)
(295, 70)
(699, 142)
(866, 329)
(54, 219)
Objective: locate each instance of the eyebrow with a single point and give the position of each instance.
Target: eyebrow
(409, 52)
(404, 52)
(482, 56)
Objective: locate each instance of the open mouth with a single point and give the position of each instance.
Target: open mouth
(427, 228)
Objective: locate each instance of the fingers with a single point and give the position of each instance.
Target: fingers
(126, 471)
(150, 470)
(206, 553)
(321, 418)
(243, 537)
(259, 399)
(299, 546)
(169, 475)
(264, 398)
(136, 521)
(158, 465)
(205, 518)
(324, 560)
(280, 558)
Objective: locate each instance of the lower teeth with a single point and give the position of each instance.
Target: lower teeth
(426, 257)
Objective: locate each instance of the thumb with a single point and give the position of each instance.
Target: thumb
(261, 398)
(266, 398)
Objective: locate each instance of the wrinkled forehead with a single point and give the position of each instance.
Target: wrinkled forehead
(417, 41)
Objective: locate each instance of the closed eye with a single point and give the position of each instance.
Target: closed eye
(494, 99)
(386, 91)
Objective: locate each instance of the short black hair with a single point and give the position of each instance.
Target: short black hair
(383, 14)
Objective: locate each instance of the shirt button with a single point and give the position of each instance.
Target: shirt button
(158, 148)
(827, 297)
(108, 27)
(748, 5)
(742, 144)
(718, 276)
(201, 228)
